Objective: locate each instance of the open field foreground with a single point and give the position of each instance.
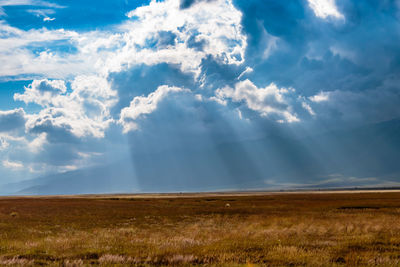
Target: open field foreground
(327, 229)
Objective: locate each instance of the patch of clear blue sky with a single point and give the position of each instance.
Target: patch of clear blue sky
(78, 15)
(7, 91)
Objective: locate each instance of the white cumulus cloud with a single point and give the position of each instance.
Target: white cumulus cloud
(308, 108)
(320, 97)
(37, 144)
(14, 165)
(325, 8)
(42, 92)
(82, 112)
(185, 36)
(142, 105)
(266, 101)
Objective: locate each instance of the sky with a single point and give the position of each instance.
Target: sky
(198, 94)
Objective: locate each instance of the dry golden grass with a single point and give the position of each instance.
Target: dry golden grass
(350, 229)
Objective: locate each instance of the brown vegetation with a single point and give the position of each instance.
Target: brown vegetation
(274, 229)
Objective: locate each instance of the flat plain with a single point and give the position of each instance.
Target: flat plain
(227, 229)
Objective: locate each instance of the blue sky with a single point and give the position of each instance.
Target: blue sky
(134, 83)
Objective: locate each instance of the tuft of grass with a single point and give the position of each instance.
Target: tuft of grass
(14, 214)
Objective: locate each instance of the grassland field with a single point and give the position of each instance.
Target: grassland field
(230, 229)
